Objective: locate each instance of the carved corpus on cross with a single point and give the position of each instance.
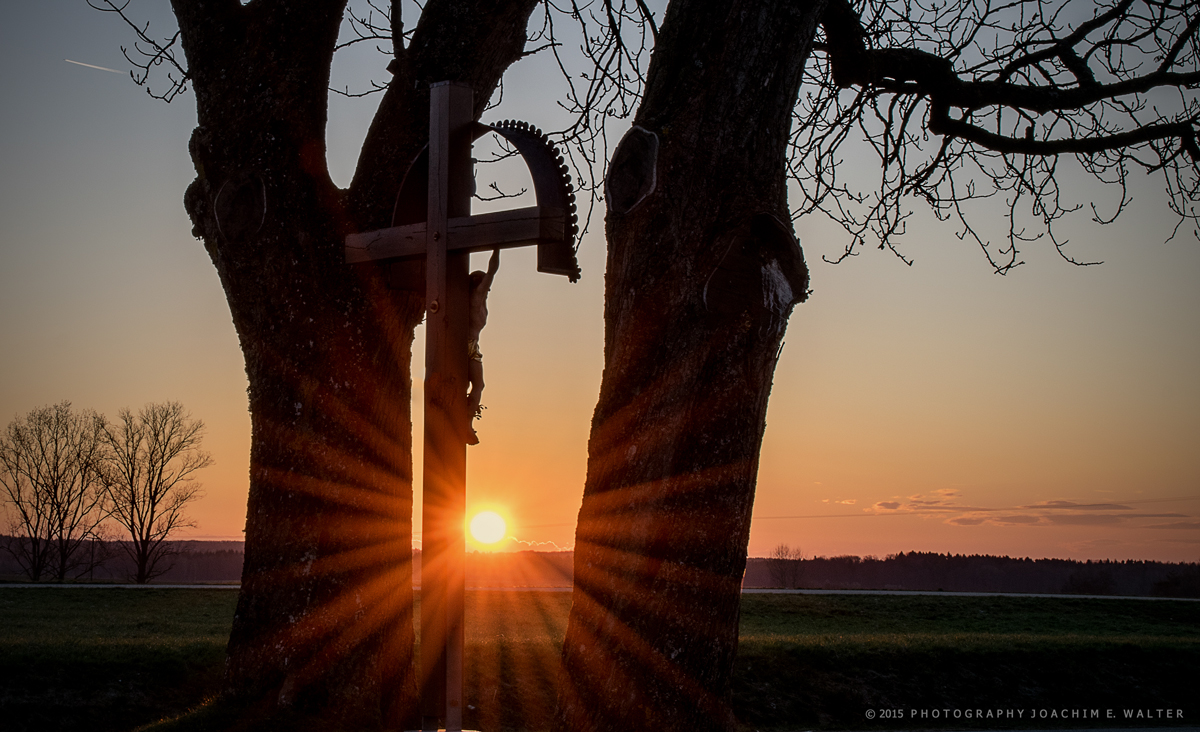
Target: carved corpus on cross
(433, 222)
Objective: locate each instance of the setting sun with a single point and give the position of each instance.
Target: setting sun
(487, 527)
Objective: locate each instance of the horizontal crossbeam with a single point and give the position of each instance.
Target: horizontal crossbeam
(485, 232)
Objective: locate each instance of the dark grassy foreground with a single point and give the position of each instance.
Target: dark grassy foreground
(108, 659)
(829, 660)
(114, 659)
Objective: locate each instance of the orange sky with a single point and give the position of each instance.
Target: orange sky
(938, 407)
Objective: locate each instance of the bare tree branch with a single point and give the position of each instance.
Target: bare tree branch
(149, 53)
(1010, 88)
(616, 39)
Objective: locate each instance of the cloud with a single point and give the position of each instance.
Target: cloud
(1018, 519)
(922, 505)
(940, 501)
(1084, 520)
(544, 546)
(941, 504)
(1187, 540)
(970, 520)
(1073, 506)
(952, 509)
(1093, 544)
(848, 501)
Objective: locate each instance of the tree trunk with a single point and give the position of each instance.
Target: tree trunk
(324, 619)
(141, 559)
(703, 271)
(323, 622)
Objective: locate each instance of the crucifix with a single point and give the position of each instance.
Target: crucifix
(433, 224)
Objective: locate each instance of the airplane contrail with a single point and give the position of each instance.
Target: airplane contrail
(90, 66)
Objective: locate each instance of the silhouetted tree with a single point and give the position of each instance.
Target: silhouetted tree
(784, 565)
(148, 469)
(958, 101)
(1091, 579)
(324, 617)
(50, 470)
(1183, 582)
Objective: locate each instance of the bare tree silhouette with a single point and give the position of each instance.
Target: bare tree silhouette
(50, 462)
(149, 467)
(784, 565)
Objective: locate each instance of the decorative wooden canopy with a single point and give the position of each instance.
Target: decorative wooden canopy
(551, 225)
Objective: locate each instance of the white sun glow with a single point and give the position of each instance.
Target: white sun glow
(487, 527)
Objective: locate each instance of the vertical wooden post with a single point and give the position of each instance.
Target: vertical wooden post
(443, 545)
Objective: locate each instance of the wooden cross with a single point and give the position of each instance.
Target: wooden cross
(445, 240)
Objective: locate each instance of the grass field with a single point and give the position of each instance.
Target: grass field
(103, 660)
(828, 660)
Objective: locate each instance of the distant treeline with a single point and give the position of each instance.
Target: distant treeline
(977, 573)
(221, 561)
(512, 569)
(105, 561)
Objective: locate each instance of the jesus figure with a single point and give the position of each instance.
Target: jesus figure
(481, 283)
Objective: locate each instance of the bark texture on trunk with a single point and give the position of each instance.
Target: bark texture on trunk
(703, 272)
(324, 619)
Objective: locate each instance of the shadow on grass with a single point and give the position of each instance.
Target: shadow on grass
(945, 688)
(930, 662)
(46, 695)
(108, 660)
(218, 714)
(114, 661)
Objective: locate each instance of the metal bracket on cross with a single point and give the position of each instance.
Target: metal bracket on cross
(433, 222)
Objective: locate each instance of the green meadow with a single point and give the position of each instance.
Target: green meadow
(73, 659)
